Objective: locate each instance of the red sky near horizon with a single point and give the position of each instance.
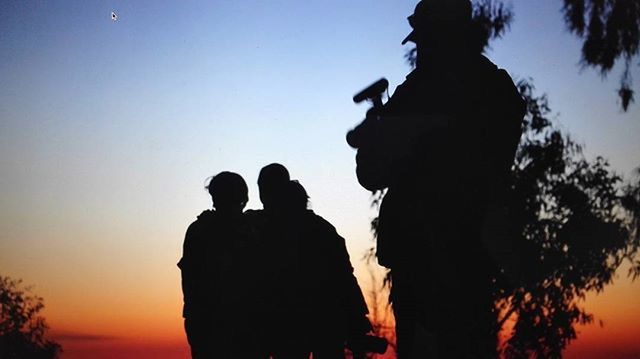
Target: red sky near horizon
(139, 336)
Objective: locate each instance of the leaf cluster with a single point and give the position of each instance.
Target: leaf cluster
(573, 223)
(22, 329)
(610, 30)
(490, 20)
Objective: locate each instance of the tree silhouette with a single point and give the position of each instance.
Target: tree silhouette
(576, 222)
(610, 30)
(22, 330)
(380, 313)
(631, 202)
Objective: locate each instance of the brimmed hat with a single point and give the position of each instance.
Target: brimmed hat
(442, 12)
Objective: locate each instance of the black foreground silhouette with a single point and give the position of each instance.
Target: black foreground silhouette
(442, 147)
(273, 283)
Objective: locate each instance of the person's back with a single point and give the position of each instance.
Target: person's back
(329, 295)
(282, 337)
(210, 269)
(312, 287)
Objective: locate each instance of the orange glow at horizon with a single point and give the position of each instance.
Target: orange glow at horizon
(133, 325)
(618, 307)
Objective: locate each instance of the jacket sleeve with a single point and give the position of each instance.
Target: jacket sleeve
(380, 139)
(504, 132)
(189, 270)
(351, 297)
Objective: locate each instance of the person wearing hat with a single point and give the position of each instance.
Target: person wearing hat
(442, 146)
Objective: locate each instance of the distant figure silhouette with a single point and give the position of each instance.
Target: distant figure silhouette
(315, 302)
(443, 146)
(213, 274)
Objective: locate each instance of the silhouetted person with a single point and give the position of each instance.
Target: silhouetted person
(282, 336)
(330, 294)
(443, 146)
(315, 303)
(212, 273)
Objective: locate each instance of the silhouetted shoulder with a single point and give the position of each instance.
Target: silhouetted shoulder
(504, 109)
(193, 240)
(318, 223)
(403, 94)
(328, 237)
(255, 217)
(500, 81)
(206, 214)
(204, 220)
(205, 217)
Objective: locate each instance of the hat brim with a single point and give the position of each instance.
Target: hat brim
(410, 37)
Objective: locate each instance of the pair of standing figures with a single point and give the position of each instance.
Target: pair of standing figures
(274, 282)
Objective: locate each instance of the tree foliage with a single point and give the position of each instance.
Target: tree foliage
(631, 203)
(610, 30)
(491, 19)
(576, 222)
(380, 313)
(22, 329)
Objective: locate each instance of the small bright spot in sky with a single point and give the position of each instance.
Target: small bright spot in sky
(114, 17)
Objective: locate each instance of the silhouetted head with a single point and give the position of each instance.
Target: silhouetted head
(272, 182)
(440, 26)
(229, 192)
(297, 197)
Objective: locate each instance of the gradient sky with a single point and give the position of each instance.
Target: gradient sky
(109, 130)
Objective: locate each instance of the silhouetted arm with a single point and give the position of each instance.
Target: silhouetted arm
(507, 110)
(506, 130)
(192, 264)
(375, 138)
(350, 295)
(188, 269)
(388, 137)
